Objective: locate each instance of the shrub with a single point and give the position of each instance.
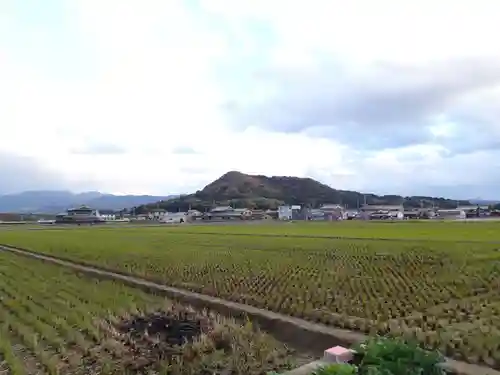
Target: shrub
(336, 369)
(387, 356)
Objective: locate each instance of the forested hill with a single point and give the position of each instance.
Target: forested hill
(242, 190)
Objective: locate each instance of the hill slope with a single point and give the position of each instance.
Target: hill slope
(57, 201)
(242, 190)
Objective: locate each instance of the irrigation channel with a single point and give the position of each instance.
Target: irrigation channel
(300, 334)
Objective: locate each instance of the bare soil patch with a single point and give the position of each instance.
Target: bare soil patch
(186, 341)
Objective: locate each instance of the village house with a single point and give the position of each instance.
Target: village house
(333, 211)
(82, 214)
(109, 215)
(316, 214)
(227, 213)
(290, 212)
(351, 214)
(273, 214)
(174, 217)
(368, 212)
(419, 213)
(453, 213)
(194, 214)
(156, 214)
(474, 210)
(260, 215)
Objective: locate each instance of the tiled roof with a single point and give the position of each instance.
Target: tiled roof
(82, 207)
(107, 212)
(449, 211)
(467, 207)
(221, 208)
(381, 207)
(331, 207)
(223, 214)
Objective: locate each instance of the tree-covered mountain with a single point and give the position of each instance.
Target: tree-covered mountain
(47, 201)
(254, 191)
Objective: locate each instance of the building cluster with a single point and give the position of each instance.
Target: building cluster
(227, 213)
(220, 213)
(327, 212)
(398, 212)
(331, 212)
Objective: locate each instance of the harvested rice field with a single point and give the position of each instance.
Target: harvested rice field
(439, 291)
(54, 321)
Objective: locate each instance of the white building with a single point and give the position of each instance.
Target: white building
(174, 218)
(157, 214)
(195, 214)
(289, 212)
(451, 214)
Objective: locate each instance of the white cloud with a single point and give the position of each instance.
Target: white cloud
(382, 96)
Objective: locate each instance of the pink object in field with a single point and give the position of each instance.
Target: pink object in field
(338, 354)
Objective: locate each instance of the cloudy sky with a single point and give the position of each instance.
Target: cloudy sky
(162, 97)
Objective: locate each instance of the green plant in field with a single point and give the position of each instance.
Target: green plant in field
(336, 369)
(387, 356)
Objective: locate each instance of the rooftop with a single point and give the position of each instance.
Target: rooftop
(290, 206)
(82, 207)
(381, 207)
(331, 207)
(449, 210)
(221, 209)
(107, 212)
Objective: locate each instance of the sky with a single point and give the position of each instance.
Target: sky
(162, 97)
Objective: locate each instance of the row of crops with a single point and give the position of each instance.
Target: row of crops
(484, 230)
(441, 293)
(53, 321)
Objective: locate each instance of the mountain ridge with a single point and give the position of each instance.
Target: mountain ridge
(54, 201)
(257, 191)
(484, 201)
(233, 188)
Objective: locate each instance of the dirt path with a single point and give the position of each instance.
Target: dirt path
(300, 334)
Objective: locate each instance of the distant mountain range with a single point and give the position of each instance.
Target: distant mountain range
(233, 188)
(484, 202)
(49, 202)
